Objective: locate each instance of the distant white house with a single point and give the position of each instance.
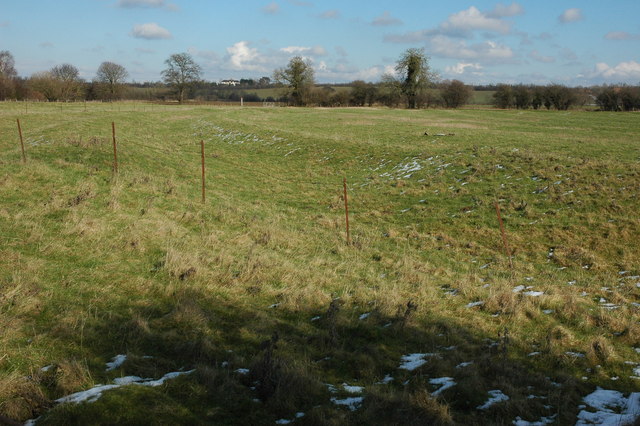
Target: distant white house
(230, 82)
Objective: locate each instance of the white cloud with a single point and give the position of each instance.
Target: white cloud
(140, 3)
(487, 52)
(460, 25)
(571, 15)
(503, 11)
(386, 20)
(461, 68)
(305, 51)
(242, 57)
(150, 31)
(534, 54)
(621, 35)
(472, 19)
(271, 8)
(301, 3)
(623, 72)
(330, 14)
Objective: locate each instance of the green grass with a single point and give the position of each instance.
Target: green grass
(93, 265)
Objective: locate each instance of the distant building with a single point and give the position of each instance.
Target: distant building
(230, 82)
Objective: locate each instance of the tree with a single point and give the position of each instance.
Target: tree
(415, 74)
(390, 90)
(110, 78)
(299, 77)
(44, 86)
(561, 96)
(68, 79)
(455, 94)
(503, 96)
(182, 71)
(8, 74)
(522, 97)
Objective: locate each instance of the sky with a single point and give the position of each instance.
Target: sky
(579, 42)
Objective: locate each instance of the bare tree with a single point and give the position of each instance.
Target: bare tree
(69, 81)
(8, 74)
(415, 74)
(182, 71)
(455, 93)
(299, 77)
(45, 86)
(110, 78)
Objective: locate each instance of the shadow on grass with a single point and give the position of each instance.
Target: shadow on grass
(325, 365)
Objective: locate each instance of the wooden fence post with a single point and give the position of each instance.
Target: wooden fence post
(203, 185)
(115, 150)
(507, 252)
(346, 209)
(24, 157)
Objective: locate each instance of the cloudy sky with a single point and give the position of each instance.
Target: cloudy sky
(576, 43)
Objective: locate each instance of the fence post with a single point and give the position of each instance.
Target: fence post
(24, 157)
(507, 252)
(115, 150)
(203, 185)
(346, 209)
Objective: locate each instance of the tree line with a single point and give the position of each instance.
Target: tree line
(413, 85)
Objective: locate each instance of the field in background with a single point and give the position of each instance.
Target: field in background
(255, 294)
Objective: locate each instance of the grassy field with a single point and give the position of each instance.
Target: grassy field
(257, 303)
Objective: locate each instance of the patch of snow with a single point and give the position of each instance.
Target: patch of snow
(495, 396)
(444, 383)
(315, 318)
(387, 379)
(533, 293)
(464, 364)
(474, 304)
(547, 311)
(518, 289)
(543, 421)
(412, 361)
(283, 422)
(352, 403)
(90, 395)
(116, 362)
(243, 371)
(46, 368)
(352, 389)
(299, 415)
(612, 408)
(364, 316)
(534, 354)
(575, 354)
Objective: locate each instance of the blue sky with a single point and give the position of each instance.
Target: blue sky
(576, 43)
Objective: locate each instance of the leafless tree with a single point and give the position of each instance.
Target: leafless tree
(181, 72)
(8, 74)
(69, 81)
(110, 78)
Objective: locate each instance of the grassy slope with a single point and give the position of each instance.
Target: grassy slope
(94, 265)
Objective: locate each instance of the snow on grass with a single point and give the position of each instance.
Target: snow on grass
(495, 396)
(116, 362)
(90, 395)
(387, 379)
(93, 394)
(243, 371)
(543, 421)
(612, 408)
(412, 361)
(352, 389)
(352, 403)
(474, 304)
(444, 383)
(364, 316)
